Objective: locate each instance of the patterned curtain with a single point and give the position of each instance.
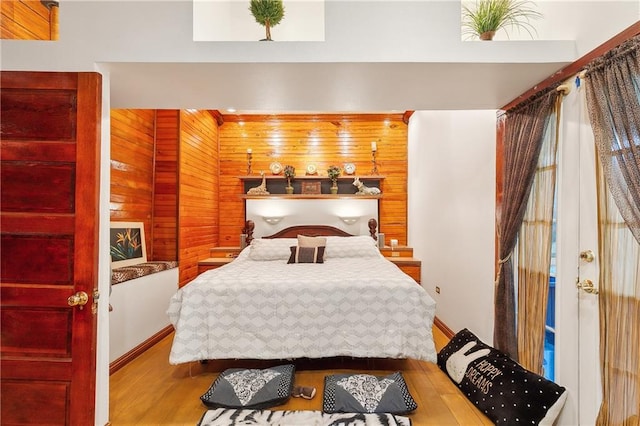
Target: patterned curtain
(613, 98)
(524, 130)
(534, 253)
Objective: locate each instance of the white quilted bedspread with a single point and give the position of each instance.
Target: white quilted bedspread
(359, 307)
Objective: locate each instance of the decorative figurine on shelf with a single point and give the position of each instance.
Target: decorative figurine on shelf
(365, 190)
(333, 172)
(289, 173)
(261, 189)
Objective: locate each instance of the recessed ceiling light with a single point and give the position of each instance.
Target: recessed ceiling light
(231, 109)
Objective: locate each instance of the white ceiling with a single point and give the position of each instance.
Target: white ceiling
(343, 87)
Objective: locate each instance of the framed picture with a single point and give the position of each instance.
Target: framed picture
(311, 188)
(126, 244)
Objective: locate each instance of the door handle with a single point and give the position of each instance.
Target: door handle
(79, 299)
(587, 287)
(587, 256)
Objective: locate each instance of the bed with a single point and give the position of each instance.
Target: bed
(355, 304)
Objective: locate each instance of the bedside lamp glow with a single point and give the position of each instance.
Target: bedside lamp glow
(272, 220)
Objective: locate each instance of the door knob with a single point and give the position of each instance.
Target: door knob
(79, 299)
(587, 286)
(587, 256)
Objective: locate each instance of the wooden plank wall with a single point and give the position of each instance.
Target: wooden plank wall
(165, 201)
(323, 139)
(132, 150)
(198, 190)
(28, 20)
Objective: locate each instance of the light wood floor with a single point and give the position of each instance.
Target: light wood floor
(149, 391)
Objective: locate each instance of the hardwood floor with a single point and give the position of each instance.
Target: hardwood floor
(149, 391)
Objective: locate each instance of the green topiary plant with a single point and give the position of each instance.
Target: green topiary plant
(289, 173)
(268, 13)
(489, 16)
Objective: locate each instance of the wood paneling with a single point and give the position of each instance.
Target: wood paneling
(28, 20)
(321, 139)
(132, 153)
(198, 191)
(165, 200)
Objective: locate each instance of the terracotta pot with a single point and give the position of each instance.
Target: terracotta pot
(487, 35)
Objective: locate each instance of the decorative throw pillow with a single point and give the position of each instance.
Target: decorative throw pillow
(271, 249)
(364, 393)
(304, 241)
(251, 388)
(357, 246)
(502, 389)
(306, 255)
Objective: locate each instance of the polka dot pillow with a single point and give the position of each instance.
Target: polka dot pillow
(502, 389)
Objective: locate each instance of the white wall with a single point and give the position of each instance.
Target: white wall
(139, 310)
(451, 213)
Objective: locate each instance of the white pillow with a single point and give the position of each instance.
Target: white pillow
(271, 249)
(304, 241)
(358, 246)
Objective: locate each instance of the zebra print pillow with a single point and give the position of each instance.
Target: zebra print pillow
(232, 417)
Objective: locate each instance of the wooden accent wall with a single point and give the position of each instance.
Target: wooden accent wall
(322, 139)
(132, 151)
(28, 20)
(198, 190)
(165, 200)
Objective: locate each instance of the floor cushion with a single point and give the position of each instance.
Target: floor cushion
(501, 388)
(251, 388)
(365, 393)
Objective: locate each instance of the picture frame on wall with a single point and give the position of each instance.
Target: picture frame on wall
(311, 188)
(127, 244)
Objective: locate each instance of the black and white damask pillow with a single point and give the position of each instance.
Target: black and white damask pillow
(251, 388)
(365, 393)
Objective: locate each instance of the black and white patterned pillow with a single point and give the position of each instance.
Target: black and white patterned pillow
(251, 388)
(306, 255)
(501, 388)
(365, 393)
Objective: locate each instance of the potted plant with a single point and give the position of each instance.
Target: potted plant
(289, 173)
(489, 16)
(333, 172)
(267, 13)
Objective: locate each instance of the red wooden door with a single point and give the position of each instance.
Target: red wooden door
(49, 177)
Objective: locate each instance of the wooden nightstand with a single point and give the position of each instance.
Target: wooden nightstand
(213, 263)
(220, 256)
(409, 266)
(402, 256)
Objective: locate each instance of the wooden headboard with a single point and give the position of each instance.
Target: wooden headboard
(309, 230)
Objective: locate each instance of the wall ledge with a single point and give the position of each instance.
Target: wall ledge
(126, 273)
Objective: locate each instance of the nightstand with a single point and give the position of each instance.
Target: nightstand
(402, 256)
(213, 263)
(220, 256)
(408, 265)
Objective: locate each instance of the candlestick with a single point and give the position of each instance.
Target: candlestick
(374, 168)
(249, 161)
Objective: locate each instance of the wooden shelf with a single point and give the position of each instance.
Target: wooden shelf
(311, 196)
(312, 177)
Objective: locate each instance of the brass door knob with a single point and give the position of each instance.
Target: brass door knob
(79, 299)
(587, 286)
(587, 256)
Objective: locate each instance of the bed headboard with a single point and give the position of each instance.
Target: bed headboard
(309, 230)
